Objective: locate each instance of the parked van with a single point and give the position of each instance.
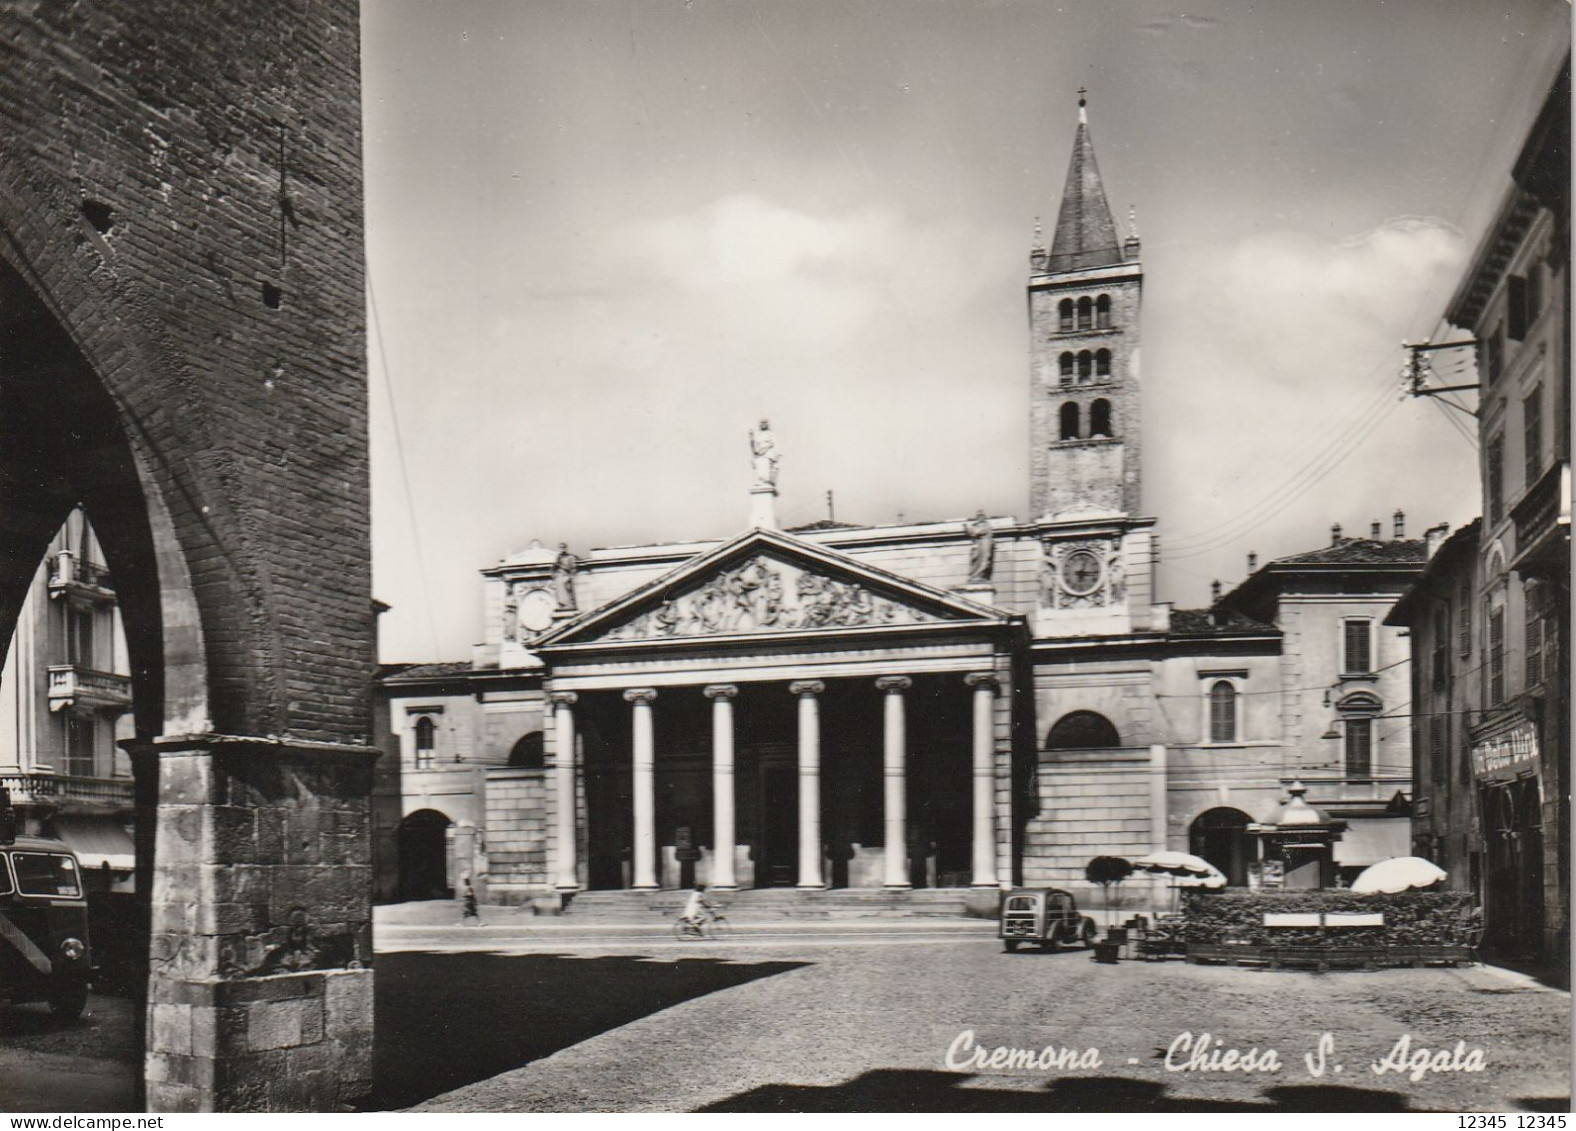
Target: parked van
(44, 954)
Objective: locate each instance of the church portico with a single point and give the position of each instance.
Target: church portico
(890, 782)
(775, 714)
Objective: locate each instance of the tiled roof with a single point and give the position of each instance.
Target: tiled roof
(1363, 551)
(1207, 622)
(424, 671)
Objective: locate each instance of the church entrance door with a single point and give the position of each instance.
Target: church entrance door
(777, 859)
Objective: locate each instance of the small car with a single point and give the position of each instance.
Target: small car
(44, 954)
(1047, 917)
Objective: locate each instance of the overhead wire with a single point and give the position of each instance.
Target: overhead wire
(1288, 499)
(1270, 498)
(404, 466)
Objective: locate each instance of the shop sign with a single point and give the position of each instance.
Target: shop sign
(1493, 756)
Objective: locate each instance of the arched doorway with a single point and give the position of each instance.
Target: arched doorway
(1083, 730)
(1220, 836)
(424, 856)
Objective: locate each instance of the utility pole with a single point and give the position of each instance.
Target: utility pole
(1416, 372)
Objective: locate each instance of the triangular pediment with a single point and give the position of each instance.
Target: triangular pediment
(767, 582)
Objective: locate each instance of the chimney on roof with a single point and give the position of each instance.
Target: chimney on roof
(1335, 534)
(1400, 524)
(1434, 537)
(1214, 592)
(1253, 561)
(1373, 530)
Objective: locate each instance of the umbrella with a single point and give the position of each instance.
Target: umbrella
(1400, 873)
(1190, 871)
(1175, 864)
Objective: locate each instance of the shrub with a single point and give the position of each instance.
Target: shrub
(1411, 918)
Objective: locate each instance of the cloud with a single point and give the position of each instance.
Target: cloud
(1287, 329)
(1168, 20)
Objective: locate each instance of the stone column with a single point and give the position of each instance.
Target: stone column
(983, 874)
(260, 990)
(564, 787)
(723, 837)
(645, 789)
(810, 872)
(895, 773)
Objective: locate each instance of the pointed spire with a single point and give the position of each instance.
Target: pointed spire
(1085, 232)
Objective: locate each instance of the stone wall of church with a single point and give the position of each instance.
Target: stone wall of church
(1093, 803)
(517, 834)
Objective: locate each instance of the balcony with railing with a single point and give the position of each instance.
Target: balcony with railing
(1543, 525)
(72, 685)
(70, 575)
(67, 789)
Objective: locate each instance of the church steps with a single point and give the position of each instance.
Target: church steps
(775, 903)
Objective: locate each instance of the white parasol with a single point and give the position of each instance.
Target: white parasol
(1190, 871)
(1400, 873)
(1176, 864)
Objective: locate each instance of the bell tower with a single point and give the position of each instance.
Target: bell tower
(1083, 324)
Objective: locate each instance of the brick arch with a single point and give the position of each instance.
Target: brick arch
(166, 389)
(67, 440)
(182, 350)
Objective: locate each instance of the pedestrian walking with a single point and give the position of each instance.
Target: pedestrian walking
(470, 911)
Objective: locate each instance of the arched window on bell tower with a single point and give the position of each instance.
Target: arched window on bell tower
(1102, 312)
(1070, 421)
(1065, 316)
(1100, 418)
(1066, 365)
(1102, 363)
(1085, 313)
(1085, 366)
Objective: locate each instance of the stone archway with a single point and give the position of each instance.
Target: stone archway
(182, 352)
(423, 840)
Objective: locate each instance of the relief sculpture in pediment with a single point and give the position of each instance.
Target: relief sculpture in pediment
(766, 595)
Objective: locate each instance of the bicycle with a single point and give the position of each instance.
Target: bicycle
(713, 927)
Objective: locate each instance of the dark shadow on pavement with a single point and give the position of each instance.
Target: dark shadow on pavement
(1544, 1103)
(447, 1020)
(917, 1090)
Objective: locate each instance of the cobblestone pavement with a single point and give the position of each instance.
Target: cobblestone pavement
(790, 1018)
(554, 1015)
(87, 1064)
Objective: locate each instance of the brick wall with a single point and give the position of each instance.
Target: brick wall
(180, 186)
(1106, 473)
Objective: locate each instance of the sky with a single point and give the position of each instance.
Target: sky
(604, 237)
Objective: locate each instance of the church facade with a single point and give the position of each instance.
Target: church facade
(967, 704)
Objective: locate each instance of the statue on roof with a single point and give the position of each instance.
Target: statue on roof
(982, 547)
(564, 566)
(764, 455)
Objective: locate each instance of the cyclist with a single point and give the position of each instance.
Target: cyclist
(698, 910)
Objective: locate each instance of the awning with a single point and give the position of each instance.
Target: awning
(98, 841)
(1368, 840)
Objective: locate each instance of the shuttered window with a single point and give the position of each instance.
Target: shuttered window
(1358, 656)
(1223, 712)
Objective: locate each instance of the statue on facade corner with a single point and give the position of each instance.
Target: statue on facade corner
(511, 612)
(982, 547)
(564, 566)
(764, 455)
